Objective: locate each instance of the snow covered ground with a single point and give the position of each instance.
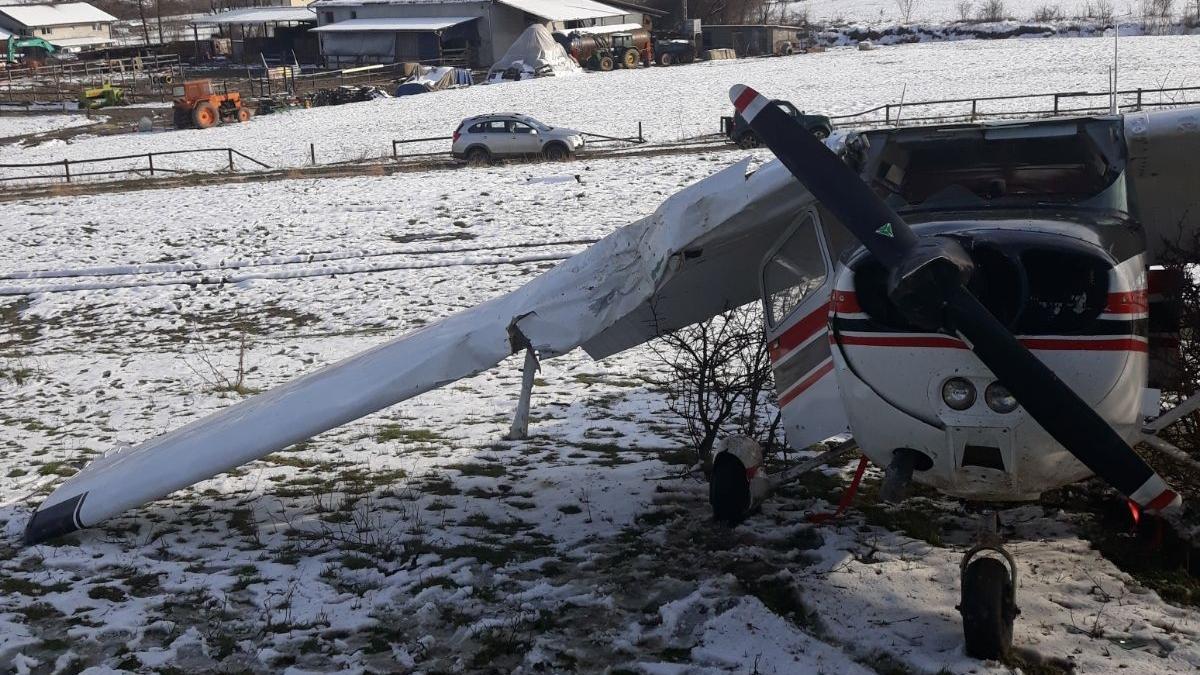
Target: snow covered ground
(21, 125)
(671, 103)
(418, 539)
(878, 12)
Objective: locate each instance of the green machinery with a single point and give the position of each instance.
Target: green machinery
(15, 43)
(101, 97)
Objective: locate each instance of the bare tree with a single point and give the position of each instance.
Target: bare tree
(964, 9)
(906, 8)
(992, 10)
(1185, 298)
(1157, 15)
(719, 380)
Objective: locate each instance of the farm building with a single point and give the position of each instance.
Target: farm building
(753, 40)
(276, 32)
(460, 32)
(71, 26)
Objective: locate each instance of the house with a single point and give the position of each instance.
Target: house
(754, 40)
(71, 26)
(470, 33)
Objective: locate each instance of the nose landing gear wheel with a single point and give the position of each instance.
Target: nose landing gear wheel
(989, 595)
(988, 609)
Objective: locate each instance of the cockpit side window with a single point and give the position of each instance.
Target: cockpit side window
(794, 271)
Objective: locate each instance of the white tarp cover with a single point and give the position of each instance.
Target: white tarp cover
(533, 49)
(414, 23)
(715, 231)
(66, 14)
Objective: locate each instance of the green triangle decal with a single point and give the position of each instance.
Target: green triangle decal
(886, 230)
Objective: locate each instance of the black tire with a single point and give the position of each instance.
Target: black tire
(205, 115)
(666, 59)
(478, 156)
(556, 152)
(604, 63)
(182, 118)
(821, 133)
(748, 141)
(729, 490)
(987, 614)
(630, 59)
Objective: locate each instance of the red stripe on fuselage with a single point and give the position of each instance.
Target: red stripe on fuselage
(845, 302)
(1044, 344)
(1132, 302)
(799, 332)
(804, 384)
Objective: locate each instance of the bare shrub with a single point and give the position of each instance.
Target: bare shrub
(1191, 14)
(992, 10)
(719, 380)
(1157, 15)
(1185, 433)
(907, 7)
(1048, 13)
(1100, 10)
(964, 9)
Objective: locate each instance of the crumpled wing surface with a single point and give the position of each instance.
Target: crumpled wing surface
(1163, 173)
(554, 313)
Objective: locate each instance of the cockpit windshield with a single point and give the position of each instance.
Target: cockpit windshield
(1078, 163)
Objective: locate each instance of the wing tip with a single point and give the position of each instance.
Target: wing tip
(54, 521)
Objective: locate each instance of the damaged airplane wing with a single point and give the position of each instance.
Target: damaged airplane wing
(684, 263)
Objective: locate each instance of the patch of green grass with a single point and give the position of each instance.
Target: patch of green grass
(57, 469)
(476, 469)
(913, 522)
(395, 432)
(110, 593)
(16, 473)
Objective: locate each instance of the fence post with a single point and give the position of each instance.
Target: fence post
(230, 151)
(395, 154)
(67, 169)
(640, 139)
(887, 113)
(150, 158)
(1139, 98)
(974, 101)
(1056, 104)
(312, 152)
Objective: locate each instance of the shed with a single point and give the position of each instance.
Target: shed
(275, 32)
(480, 33)
(753, 39)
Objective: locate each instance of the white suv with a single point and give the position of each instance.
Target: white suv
(480, 139)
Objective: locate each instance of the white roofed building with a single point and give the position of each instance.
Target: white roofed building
(70, 26)
(459, 32)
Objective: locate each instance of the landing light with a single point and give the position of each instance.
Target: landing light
(958, 393)
(998, 398)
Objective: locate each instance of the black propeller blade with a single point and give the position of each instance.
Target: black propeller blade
(927, 282)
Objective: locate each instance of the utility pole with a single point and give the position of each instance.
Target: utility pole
(158, 14)
(145, 28)
(683, 15)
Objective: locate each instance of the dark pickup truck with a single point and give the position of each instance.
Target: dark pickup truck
(739, 132)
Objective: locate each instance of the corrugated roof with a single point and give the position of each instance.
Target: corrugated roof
(565, 10)
(260, 15)
(56, 15)
(409, 23)
(551, 10)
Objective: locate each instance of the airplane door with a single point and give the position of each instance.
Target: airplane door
(796, 280)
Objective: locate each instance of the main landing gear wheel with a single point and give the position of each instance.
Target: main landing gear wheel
(748, 141)
(989, 598)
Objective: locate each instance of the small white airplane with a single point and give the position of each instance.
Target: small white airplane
(968, 301)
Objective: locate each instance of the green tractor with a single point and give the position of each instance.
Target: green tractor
(15, 43)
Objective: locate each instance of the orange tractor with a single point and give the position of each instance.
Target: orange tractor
(197, 106)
